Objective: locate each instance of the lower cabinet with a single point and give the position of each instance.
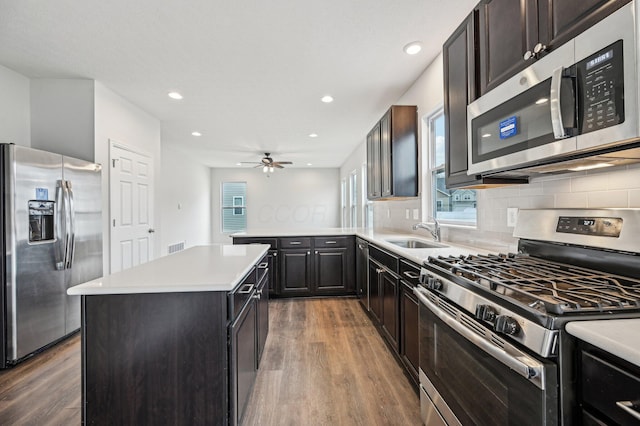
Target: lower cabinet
(243, 359)
(384, 292)
(309, 266)
(262, 314)
(295, 276)
(362, 269)
(409, 317)
(375, 297)
(389, 289)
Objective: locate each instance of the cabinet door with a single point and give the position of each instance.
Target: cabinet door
(243, 360)
(362, 260)
(386, 172)
(459, 90)
(262, 316)
(409, 319)
(295, 267)
(562, 20)
(507, 29)
(331, 270)
(375, 300)
(389, 286)
(272, 258)
(374, 183)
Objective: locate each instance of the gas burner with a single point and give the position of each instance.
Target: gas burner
(543, 285)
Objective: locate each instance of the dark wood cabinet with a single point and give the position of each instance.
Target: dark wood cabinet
(392, 154)
(458, 54)
(384, 291)
(509, 29)
(262, 314)
(409, 318)
(609, 388)
(374, 177)
(243, 365)
(309, 266)
(389, 291)
(362, 272)
(295, 272)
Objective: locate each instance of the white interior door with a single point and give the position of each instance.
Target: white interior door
(131, 192)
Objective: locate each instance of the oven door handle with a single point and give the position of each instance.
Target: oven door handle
(526, 366)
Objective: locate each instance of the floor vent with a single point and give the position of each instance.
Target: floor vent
(173, 248)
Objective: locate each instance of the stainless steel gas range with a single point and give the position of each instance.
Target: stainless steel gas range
(493, 349)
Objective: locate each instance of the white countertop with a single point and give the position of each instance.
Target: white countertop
(216, 267)
(618, 337)
(379, 238)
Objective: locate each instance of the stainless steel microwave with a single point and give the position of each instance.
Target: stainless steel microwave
(581, 97)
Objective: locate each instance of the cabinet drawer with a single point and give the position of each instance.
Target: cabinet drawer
(328, 242)
(298, 242)
(273, 242)
(410, 272)
(384, 258)
(606, 386)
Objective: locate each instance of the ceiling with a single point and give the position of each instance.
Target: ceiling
(251, 72)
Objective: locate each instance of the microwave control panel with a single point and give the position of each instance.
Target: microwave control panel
(601, 87)
(597, 226)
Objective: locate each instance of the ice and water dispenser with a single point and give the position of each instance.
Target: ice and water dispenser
(41, 221)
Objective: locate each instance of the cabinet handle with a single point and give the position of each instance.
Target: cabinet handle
(263, 265)
(295, 243)
(275, 254)
(316, 251)
(246, 289)
(331, 242)
(628, 407)
(528, 55)
(308, 252)
(539, 48)
(379, 270)
(411, 275)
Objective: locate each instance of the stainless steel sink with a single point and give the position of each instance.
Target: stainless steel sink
(412, 243)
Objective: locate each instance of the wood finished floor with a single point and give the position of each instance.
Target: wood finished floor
(324, 364)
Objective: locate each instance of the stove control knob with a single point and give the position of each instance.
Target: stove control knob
(506, 325)
(434, 284)
(485, 313)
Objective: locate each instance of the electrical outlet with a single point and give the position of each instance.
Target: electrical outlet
(388, 213)
(416, 214)
(512, 216)
(406, 212)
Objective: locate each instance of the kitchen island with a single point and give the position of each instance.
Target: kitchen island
(155, 338)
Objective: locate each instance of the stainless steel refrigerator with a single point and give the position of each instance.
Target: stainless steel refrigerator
(51, 236)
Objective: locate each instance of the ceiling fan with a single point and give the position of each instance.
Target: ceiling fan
(267, 163)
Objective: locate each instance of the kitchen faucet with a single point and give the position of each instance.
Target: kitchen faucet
(434, 230)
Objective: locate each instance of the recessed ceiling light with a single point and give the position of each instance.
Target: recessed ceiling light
(327, 99)
(174, 95)
(196, 133)
(413, 48)
(309, 164)
(313, 135)
(238, 164)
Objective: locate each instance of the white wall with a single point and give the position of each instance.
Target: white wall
(15, 110)
(119, 120)
(289, 199)
(185, 200)
(62, 116)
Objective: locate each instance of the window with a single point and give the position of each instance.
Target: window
(353, 199)
(455, 206)
(343, 203)
(234, 210)
(367, 206)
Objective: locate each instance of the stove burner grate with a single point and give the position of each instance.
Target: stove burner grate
(546, 286)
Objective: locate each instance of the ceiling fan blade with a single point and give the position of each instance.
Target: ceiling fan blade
(277, 165)
(249, 162)
(283, 162)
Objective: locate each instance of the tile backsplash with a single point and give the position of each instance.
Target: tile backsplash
(615, 188)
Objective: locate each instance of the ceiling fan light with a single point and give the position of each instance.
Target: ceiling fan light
(265, 169)
(271, 169)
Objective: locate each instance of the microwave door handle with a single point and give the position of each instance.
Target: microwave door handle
(554, 102)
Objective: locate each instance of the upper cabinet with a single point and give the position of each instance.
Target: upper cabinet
(511, 33)
(392, 154)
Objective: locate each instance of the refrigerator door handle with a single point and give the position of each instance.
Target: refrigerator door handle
(60, 230)
(72, 222)
(67, 225)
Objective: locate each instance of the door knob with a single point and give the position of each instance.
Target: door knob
(151, 230)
